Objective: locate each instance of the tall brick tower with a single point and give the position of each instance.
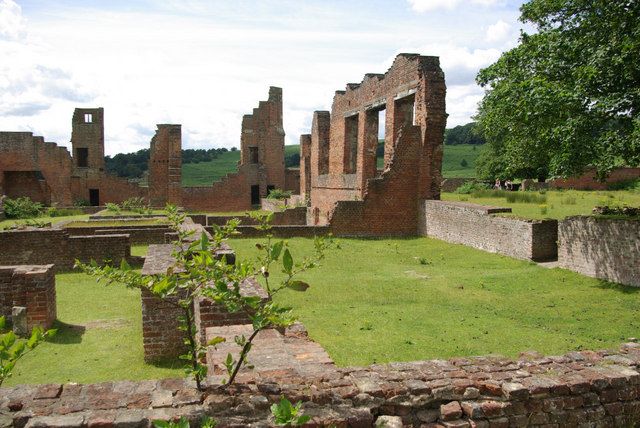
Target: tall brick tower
(165, 166)
(87, 140)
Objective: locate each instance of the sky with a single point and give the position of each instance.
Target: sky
(204, 64)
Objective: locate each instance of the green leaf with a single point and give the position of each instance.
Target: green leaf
(2, 323)
(204, 241)
(276, 249)
(298, 285)
(216, 340)
(161, 424)
(287, 261)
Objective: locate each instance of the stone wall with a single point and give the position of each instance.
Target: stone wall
(34, 246)
(285, 231)
(475, 226)
(165, 166)
(594, 389)
(588, 180)
(152, 234)
(31, 287)
(603, 248)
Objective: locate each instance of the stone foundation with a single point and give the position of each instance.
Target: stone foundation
(31, 287)
(475, 226)
(603, 248)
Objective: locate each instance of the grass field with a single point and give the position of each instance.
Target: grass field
(205, 173)
(370, 301)
(45, 219)
(558, 204)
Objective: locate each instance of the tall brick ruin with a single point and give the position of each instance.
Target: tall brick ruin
(165, 166)
(346, 190)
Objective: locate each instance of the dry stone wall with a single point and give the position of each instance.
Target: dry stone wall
(475, 226)
(603, 248)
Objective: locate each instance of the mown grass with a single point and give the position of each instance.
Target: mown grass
(99, 337)
(44, 219)
(370, 301)
(558, 205)
(453, 157)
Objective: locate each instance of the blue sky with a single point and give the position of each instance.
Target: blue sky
(206, 63)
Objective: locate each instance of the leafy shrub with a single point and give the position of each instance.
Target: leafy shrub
(134, 204)
(464, 163)
(633, 184)
(22, 207)
(470, 187)
(115, 208)
(279, 194)
(81, 203)
(62, 212)
(206, 422)
(543, 209)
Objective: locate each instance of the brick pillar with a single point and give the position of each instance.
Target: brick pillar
(305, 165)
(320, 144)
(160, 335)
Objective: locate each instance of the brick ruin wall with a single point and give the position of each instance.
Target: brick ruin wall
(142, 235)
(475, 226)
(289, 217)
(603, 248)
(343, 145)
(55, 246)
(588, 180)
(160, 334)
(31, 287)
(599, 389)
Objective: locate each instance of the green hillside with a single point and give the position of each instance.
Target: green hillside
(205, 173)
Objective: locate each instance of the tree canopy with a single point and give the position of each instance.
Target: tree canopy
(568, 96)
(463, 134)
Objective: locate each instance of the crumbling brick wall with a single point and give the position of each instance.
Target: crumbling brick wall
(589, 181)
(31, 287)
(34, 246)
(605, 248)
(343, 145)
(165, 166)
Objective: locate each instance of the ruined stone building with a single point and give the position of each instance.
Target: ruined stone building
(48, 173)
(338, 165)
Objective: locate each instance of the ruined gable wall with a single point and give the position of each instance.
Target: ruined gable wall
(165, 166)
(90, 136)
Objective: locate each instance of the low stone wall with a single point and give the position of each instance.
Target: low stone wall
(33, 246)
(475, 226)
(143, 235)
(452, 184)
(31, 287)
(599, 389)
(285, 231)
(604, 248)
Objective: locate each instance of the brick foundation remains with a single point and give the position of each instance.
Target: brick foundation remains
(603, 248)
(475, 226)
(600, 389)
(30, 287)
(32, 246)
(343, 183)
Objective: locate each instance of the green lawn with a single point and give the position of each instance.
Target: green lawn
(99, 337)
(370, 301)
(205, 173)
(373, 301)
(45, 219)
(558, 205)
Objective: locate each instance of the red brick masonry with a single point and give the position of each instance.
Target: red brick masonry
(600, 389)
(32, 287)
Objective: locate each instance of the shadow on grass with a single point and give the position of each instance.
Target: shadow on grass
(168, 363)
(625, 289)
(67, 333)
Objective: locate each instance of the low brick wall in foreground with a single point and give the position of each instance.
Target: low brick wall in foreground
(30, 287)
(594, 389)
(475, 226)
(604, 248)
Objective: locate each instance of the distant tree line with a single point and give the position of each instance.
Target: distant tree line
(463, 134)
(134, 165)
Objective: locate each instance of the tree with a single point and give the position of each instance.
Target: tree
(463, 134)
(568, 96)
(197, 272)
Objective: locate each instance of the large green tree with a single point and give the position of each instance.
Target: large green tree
(568, 96)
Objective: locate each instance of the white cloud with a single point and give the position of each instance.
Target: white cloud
(12, 23)
(498, 31)
(428, 5)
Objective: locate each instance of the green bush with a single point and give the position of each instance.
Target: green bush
(633, 184)
(22, 207)
(81, 203)
(63, 212)
(279, 194)
(114, 208)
